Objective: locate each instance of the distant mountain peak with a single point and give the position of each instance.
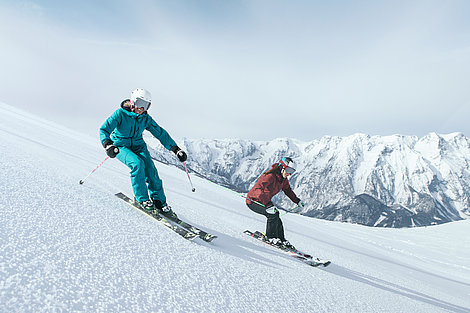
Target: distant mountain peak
(389, 181)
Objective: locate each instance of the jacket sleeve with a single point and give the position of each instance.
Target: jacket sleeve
(108, 126)
(288, 191)
(161, 134)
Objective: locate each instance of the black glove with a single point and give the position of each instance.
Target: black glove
(182, 156)
(111, 149)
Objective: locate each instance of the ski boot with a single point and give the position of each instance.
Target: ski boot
(164, 209)
(148, 205)
(286, 245)
(282, 244)
(274, 242)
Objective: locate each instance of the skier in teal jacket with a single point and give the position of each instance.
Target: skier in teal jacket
(121, 136)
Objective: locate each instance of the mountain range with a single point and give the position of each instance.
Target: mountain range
(385, 181)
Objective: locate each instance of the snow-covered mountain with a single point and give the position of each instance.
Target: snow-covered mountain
(66, 247)
(390, 181)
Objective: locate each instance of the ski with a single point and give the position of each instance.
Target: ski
(299, 255)
(202, 234)
(177, 229)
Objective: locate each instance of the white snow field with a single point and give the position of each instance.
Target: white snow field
(66, 247)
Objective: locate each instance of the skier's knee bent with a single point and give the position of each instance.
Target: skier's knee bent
(137, 167)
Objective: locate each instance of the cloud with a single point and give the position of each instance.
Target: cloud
(252, 70)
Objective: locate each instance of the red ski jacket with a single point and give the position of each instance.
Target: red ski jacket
(269, 185)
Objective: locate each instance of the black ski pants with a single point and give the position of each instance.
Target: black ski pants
(274, 227)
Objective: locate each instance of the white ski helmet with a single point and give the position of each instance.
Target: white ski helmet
(141, 98)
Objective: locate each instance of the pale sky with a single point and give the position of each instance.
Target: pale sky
(259, 69)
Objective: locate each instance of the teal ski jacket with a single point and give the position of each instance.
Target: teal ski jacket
(124, 128)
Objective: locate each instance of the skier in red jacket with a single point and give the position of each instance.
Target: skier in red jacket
(259, 198)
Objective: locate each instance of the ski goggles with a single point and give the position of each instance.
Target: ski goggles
(141, 103)
(289, 170)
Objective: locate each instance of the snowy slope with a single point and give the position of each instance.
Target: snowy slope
(66, 247)
(389, 181)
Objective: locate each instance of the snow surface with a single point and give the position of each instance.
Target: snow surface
(66, 247)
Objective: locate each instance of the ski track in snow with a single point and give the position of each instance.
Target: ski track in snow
(66, 247)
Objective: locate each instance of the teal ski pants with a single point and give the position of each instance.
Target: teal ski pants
(144, 174)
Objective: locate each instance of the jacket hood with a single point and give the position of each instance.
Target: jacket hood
(276, 170)
(126, 105)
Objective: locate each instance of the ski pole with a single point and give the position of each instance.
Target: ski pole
(193, 189)
(83, 180)
(290, 210)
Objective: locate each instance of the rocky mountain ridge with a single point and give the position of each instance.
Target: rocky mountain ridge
(388, 181)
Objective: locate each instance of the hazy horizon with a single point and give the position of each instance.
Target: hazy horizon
(243, 69)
